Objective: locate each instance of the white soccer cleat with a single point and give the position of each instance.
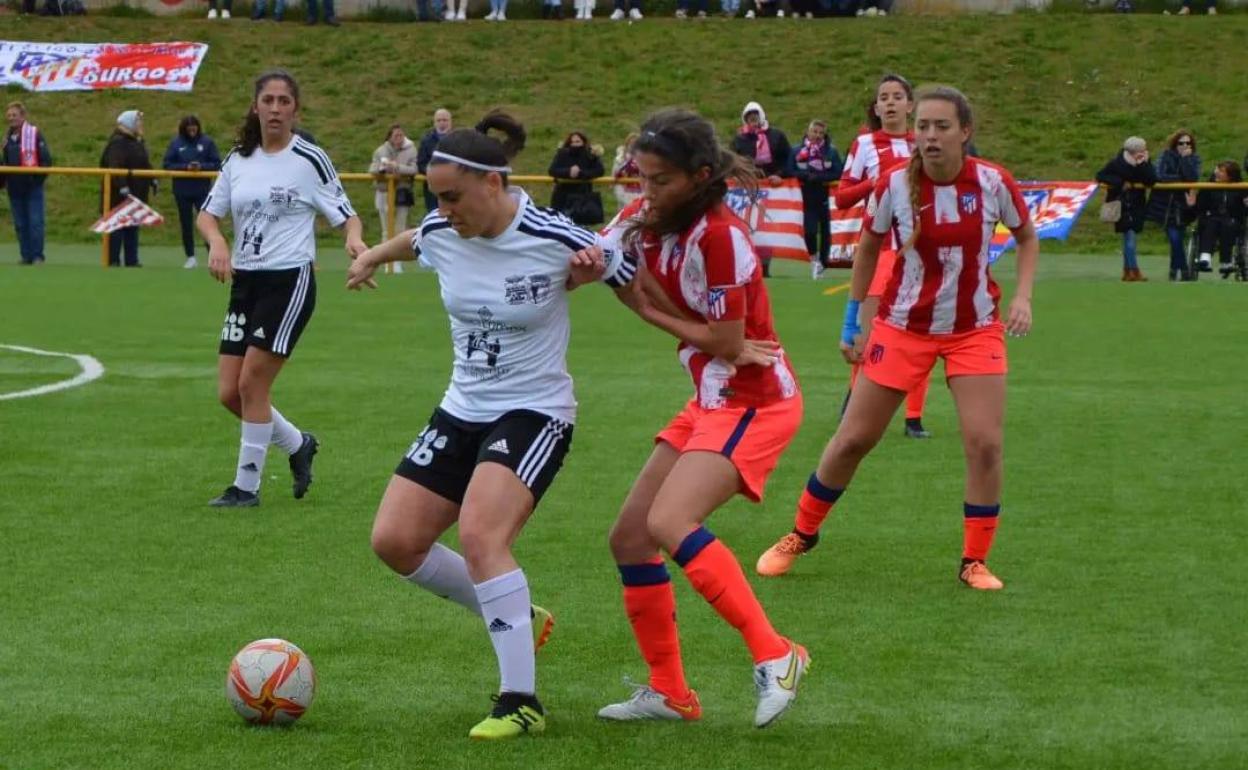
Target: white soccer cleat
(648, 704)
(635, 15)
(212, 14)
(776, 682)
(816, 269)
(190, 264)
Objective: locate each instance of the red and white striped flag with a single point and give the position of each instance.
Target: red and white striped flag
(130, 212)
(846, 226)
(775, 217)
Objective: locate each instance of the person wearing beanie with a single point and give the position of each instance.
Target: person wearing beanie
(126, 150)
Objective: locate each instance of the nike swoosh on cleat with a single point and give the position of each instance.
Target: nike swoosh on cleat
(682, 709)
(789, 680)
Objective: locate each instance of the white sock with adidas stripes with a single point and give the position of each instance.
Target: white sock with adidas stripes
(444, 573)
(251, 451)
(505, 606)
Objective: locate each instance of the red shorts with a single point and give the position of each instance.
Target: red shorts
(901, 360)
(883, 271)
(753, 438)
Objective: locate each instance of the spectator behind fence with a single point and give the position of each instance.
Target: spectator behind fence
(190, 150)
(220, 8)
(498, 12)
(1211, 8)
(816, 163)
(698, 7)
(576, 159)
(326, 9)
(1221, 217)
(1174, 209)
(625, 167)
(584, 9)
(552, 9)
(769, 150)
(429, 143)
(456, 13)
(258, 8)
(632, 6)
(25, 146)
(126, 150)
(1127, 175)
(395, 157)
(429, 10)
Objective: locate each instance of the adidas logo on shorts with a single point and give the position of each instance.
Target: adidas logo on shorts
(497, 626)
(500, 446)
(258, 333)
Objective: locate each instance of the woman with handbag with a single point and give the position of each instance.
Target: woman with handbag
(395, 156)
(1127, 176)
(577, 160)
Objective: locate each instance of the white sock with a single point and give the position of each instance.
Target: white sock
(505, 608)
(1206, 257)
(285, 435)
(256, 437)
(445, 573)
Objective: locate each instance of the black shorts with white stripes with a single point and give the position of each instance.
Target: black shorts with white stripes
(268, 310)
(448, 450)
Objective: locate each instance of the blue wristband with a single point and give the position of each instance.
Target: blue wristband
(850, 328)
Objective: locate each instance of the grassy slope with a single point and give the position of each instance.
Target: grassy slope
(1118, 642)
(1056, 94)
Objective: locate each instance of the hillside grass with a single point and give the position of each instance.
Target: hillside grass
(1056, 94)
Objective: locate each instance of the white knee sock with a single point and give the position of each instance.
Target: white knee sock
(444, 573)
(285, 435)
(505, 608)
(256, 437)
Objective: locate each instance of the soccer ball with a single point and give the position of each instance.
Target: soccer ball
(270, 681)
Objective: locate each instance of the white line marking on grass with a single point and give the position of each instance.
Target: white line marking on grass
(91, 370)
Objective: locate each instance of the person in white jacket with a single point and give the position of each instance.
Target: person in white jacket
(395, 157)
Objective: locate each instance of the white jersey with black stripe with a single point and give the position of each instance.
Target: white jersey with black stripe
(273, 199)
(507, 300)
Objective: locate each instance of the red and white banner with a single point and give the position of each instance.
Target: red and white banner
(96, 66)
(846, 224)
(775, 217)
(131, 212)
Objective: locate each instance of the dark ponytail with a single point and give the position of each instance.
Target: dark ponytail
(688, 141)
(479, 145)
(249, 134)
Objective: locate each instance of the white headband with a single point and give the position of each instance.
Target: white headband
(439, 155)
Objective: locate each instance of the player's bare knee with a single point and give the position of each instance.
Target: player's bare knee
(983, 452)
(630, 541)
(229, 398)
(668, 529)
(851, 446)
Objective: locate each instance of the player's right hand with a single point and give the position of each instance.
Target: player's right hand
(219, 262)
(360, 272)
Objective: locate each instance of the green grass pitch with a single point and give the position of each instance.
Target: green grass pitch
(1117, 642)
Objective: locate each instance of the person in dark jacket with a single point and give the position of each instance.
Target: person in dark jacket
(24, 146)
(190, 150)
(816, 163)
(1221, 217)
(424, 152)
(1127, 175)
(576, 159)
(126, 150)
(1172, 209)
(768, 148)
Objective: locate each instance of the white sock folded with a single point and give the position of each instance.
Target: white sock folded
(505, 607)
(285, 435)
(445, 573)
(251, 451)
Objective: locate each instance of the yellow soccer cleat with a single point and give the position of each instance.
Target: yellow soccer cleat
(976, 575)
(779, 558)
(543, 625)
(514, 715)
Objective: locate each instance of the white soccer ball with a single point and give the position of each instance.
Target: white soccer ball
(270, 681)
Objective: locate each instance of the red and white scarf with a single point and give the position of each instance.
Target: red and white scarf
(29, 146)
(762, 147)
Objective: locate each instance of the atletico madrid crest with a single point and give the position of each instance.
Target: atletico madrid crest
(970, 203)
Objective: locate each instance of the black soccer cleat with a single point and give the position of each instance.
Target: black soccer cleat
(233, 497)
(301, 464)
(915, 429)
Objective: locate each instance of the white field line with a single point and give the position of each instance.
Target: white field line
(91, 370)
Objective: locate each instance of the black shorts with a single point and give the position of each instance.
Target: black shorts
(448, 450)
(268, 310)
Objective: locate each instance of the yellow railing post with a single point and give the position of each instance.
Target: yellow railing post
(108, 192)
(391, 214)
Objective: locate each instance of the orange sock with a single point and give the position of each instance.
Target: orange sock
(651, 606)
(979, 525)
(916, 398)
(716, 574)
(814, 505)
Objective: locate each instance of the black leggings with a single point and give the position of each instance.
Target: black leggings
(1224, 231)
(188, 209)
(818, 228)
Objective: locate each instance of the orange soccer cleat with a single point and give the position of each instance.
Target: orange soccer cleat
(779, 558)
(976, 575)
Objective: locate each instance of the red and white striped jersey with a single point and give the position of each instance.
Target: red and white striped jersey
(941, 283)
(711, 271)
(870, 155)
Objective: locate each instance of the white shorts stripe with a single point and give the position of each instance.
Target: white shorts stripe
(540, 451)
(293, 310)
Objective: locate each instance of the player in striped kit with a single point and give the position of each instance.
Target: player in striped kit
(889, 142)
(272, 186)
(703, 284)
(940, 302)
(504, 427)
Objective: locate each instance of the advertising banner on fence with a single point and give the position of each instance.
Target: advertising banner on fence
(96, 66)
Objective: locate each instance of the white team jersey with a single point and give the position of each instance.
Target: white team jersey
(507, 300)
(273, 200)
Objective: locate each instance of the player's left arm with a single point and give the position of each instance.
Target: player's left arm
(1015, 216)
